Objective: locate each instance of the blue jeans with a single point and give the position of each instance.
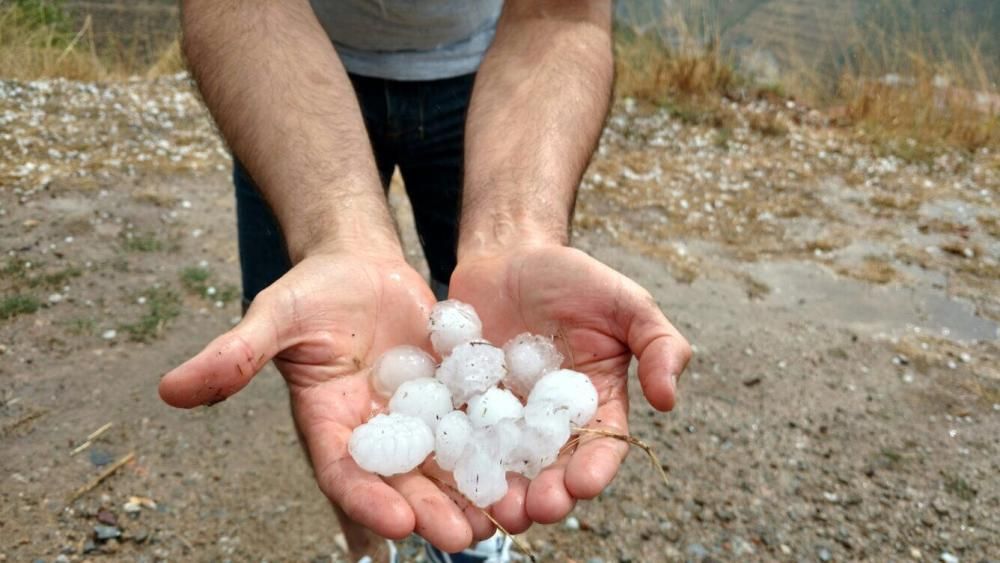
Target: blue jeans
(417, 126)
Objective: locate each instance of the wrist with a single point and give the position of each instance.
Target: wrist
(505, 235)
(371, 237)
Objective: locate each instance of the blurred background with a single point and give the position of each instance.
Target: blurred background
(808, 188)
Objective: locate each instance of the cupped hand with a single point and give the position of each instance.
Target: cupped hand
(324, 324)
(600, 319)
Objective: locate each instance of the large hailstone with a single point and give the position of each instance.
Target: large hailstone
(529, 357)
(493, 406)
(471, 369)
(566, 390)
(480, 477)
(426, 398)
(451, 437)
(400, 364)
(389, 444)
(539, 444)
(452, 323)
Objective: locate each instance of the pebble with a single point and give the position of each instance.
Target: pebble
(55, 298)
(948, 557)
(572, 523)
(107, 517)
(131, 507)
(109, 334)
(824, 554)
(697, 551)
(103, 533)
(100, 457)
(595, 560)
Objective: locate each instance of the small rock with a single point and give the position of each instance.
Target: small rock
(111, 546)
(697, 551)
(939, 507)
(55, 298)
(916, 554)
(948, 557)
(132, 507)
(595, 560)
(100, 457)
(61, 559)
(104, 533)
(105, 516)
(824, 554)
(109, 334)
(572, 523)
(140, 535)
(89, 546)
(785, 549)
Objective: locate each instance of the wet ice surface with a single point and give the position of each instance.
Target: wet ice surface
(390, 444)
(453, 323)
(398, 365)
(529, 357)
(471, 369)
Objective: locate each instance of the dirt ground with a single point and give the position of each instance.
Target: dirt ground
(843, 404)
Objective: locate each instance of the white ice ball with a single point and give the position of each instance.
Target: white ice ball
(452, 323)
(492, 406)
(539, 444)
(567, 390)
(389, 444)
(529, 357)
(480, 477)
(426, 398)
(500, 439)
(400, 364)
(451, 438)
(471, 369)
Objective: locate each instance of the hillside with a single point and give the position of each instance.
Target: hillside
(770, 37)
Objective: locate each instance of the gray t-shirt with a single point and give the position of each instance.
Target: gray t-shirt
(409, 39)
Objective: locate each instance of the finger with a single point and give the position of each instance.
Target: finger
(596, 460)
(510, 511)
(548, 500)
(438, 519)
(481, 526)
(662, 352)
(226, 365)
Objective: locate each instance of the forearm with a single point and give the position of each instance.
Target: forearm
(282, 100)
(539, 103)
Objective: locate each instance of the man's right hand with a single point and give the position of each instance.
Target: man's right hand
(324, 323)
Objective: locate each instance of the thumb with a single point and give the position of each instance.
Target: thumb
(662, 351)
(226, 365)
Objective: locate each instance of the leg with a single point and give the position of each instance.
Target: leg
(263, 256)
(431, 165)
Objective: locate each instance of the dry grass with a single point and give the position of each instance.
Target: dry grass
(39, 40)
(902, 90)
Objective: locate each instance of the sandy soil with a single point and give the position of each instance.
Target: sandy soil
(844, 402)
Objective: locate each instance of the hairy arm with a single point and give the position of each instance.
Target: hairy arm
(537, 110)
(284, 103)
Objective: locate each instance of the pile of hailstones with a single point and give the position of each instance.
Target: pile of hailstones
(496, 432)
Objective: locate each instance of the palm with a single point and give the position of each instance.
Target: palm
(600, 319)
(324, 323)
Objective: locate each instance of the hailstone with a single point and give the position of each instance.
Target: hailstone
(426, 398)
(389, 444)
(450, 439)
(566, 390)
(472, 368)
(539, 444)
(452, 323)
(492, 406)
(400, 364)
(480, 477)
(529, 357)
